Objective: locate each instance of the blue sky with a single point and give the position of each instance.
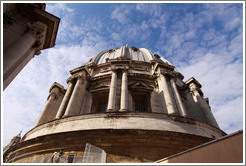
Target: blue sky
(202, 40)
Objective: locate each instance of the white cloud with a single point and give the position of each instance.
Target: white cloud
(121, 13)
(144, 25)
(58, 9)
(149, 9)
(230, 115)
(233, 23)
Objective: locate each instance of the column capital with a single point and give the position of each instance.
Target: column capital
(195, 89)
(125, 71)
(38, 30)
(53, 95)
(113, 69)
(165, 72)
(70, 79)
(122, 67)
(81, 78)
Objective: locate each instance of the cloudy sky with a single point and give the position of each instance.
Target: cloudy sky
(204, 41)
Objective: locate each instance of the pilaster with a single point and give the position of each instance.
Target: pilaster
(180, 105)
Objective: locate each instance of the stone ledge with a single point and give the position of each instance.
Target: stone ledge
(126, 120)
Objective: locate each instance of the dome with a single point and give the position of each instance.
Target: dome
(132, 53)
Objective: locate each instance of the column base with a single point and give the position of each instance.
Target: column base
(64, 116)
(123, 110)
(170, 114)
(110, 110)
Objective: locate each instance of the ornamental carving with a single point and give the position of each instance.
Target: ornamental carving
(37, 29)
(166, 72)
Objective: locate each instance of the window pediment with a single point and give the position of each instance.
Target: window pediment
(141, 86)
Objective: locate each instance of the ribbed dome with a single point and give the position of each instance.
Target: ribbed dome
(133, 53)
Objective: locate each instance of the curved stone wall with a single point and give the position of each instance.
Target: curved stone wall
(141, 121)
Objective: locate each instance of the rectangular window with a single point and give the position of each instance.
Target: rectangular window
(140, 106)
(102, 107)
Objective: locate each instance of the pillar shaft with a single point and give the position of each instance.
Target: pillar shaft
(16, 55)
(167, 95)
(178, 98)
(65, 100)
(46, 107)
(124, 92)
(13, 53)
(75, 99)
(112, 92)
(14, 70)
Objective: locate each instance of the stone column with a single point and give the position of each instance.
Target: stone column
(65, 100)
(167, 95)
(124, 92)
(112, 92)
(14, 54)
(76, 98)
(14, 70)
(178, 98)
(48, 103)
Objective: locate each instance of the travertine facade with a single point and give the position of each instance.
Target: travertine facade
(27, 29)
(127, 101)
